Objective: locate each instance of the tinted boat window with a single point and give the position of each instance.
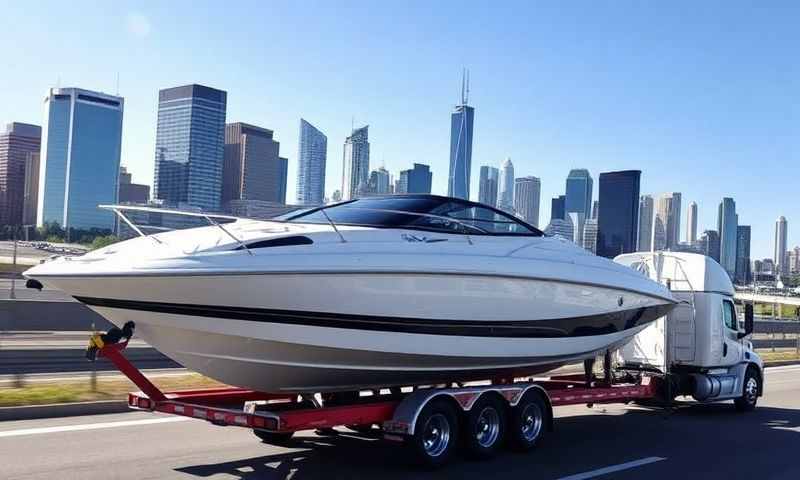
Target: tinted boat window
(420, 212)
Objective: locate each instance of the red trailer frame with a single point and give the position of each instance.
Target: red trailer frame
(225, 406)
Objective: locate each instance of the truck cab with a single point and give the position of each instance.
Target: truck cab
(700, 345)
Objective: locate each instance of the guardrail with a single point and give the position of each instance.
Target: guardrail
(772, 334)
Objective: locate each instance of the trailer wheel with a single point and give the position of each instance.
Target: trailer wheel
(485, 427)
(528, 421)
(435, 434)
(280, 439)
(747, 402)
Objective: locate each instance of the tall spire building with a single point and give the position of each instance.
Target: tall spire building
(461, 121)
(355, 170)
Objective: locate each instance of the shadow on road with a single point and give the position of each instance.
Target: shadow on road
(688, 439)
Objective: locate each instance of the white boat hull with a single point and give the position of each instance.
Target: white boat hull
(306, 332)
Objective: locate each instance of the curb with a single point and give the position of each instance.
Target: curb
(54, 410)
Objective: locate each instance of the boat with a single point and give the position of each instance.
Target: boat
(373, 292)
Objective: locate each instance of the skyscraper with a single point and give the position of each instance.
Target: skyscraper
(31, 195)
(590, 235)
(691, 223)
(356, 163)
(253, 168)
(709, 244)
(487, 186)
(418, 179)
(527, 191)
(644, 241)
(618, 220)
(283, 171)
(779, 257)
(17, 144)
(595, 209)
(79, 164)
(505, 198)
(726, 226)
(742, 275)
(461, 121)
(190, 145)
(557, 208)
(130, 192)
(578, 192)
(311, 157)
(378, 183)
(666, 222)
(578, 222)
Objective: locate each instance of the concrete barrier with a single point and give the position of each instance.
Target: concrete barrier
(33, 315)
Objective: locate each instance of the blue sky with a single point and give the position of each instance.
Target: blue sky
(701, 96)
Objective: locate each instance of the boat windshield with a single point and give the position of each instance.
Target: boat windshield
(423, 212)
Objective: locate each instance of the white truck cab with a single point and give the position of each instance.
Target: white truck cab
(700, 344)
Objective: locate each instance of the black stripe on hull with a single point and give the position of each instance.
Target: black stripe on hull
(591, 325)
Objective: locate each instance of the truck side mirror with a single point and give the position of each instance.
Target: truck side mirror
(748, 320)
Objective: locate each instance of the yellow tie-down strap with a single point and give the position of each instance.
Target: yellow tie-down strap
(96, 341)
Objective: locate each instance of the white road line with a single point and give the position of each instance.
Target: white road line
(613, 468)
(89, 426)
(782, 368)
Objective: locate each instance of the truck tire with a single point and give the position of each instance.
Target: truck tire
(750, 388)
(485, 427)
(528, 422)
(280, 439)
(435, 435)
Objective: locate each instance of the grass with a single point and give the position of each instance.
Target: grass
(779, 356)
(786, 311)
(113, 388)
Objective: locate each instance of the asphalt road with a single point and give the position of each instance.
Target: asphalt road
(709, 442)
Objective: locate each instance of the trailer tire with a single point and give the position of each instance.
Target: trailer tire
(528, 422)
(485, 427)
(750, 388)
(435, 434)
(280, 439)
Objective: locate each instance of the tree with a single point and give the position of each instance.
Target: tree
(103, 241)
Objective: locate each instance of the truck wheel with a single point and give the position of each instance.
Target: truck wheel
(747, 402)
(280, 439)
(435, 434)
(485, 427)
(528, 421)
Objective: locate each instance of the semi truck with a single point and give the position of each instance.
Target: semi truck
(699, 350)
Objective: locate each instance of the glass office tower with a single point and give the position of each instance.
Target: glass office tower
(81, 143)
(727, 222)
(618, 219)
(311, 158)
(579, 192)
(190, 143)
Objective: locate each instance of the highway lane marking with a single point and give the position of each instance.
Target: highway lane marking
(782, 368)
(613, 468)
(89, 426)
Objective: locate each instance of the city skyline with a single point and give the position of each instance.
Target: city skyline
(600, 119)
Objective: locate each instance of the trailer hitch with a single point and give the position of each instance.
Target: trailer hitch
(111, 337)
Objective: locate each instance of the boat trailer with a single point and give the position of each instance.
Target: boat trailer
(418, 418)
